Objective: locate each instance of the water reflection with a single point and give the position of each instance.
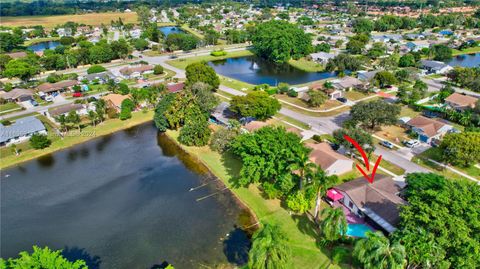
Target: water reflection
(465, 60)
(75, 253)
(236, 247)
(46, 161)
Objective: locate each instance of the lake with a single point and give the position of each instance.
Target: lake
(465, 60)
(166, 30)
(123, 201)
(41, 46)
(254, 70)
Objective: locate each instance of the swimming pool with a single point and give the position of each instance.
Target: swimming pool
(357, 230)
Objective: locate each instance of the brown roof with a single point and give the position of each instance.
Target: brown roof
(140, 69)
(380, 196)
(428, 126)
(348, 82)
(323, 155)
(65, 109)
(115, 99)
(255, 125)
(462, 100)
(51, 87)
(16, 55)
(16, 93)
(175, 87)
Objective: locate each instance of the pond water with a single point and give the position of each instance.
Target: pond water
(254, 70)
(43, 46)
(465, 60)
(166, 30)
(123, 201)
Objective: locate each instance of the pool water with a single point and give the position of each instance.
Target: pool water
(357, 230)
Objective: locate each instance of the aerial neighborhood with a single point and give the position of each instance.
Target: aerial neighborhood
(249, 134)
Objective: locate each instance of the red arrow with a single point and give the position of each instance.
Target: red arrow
(365, 160)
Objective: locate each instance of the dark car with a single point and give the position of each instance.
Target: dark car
(342, 99)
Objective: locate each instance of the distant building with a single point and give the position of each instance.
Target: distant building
(57, 87)
(17, 95)
(21, 130)
(417, 45)
(322, 57)
(366, 76)
(102, 77)
(332, 162)
(136, 71)
(428, 129)
(65, 109)
(435, 67)
(461, 102)
(347, 83)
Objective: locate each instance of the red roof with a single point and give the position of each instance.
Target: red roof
(175, 87)
(334, 195)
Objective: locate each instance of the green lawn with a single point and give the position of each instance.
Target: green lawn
(306, 65)
(299, 229)
(356, 95)
(9, 106)
(295, 122)
(235, 84)
(183, 62)
(87, 133)
(194, 32)
(436, 154)
(39, 40)
(465, 51)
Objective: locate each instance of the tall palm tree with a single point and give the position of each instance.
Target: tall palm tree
(270, 249)
(322, 182)
(377, 252)
(304, 166)
(333, 224)
(92, 115)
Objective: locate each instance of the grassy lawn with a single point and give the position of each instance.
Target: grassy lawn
(9, 106)
(73, 138)
(356, 95)
(306, 65)
(299, 102)
(408, 112)
(318, 114)
(183, 62)
(292, 121)
(235, 84)
(39, 40)
(52, 21)
(465, 51)
(191, 31)
(393, 133)
(299, 229)
(436, 154)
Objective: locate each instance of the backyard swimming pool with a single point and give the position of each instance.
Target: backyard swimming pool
(357, 230)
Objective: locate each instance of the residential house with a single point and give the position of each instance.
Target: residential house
(173, 88)
(115, 100)
(136, 71)
(332, 94)
(417, 45)
(322, 57)
(461, 102)
(57, 87)
(387, 38)
(435, 67)
(17, 95)
(366, 76)
(332, 162)
(378, 202)
(101, 78)
(65, 109)
(428, 129)
(347, 83)
(222, 114)
(21, 130)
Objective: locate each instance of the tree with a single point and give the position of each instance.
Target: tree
(21, 69)
(158, 69)
(159, 118)
(384, 78)
(222, 138)
(8, 41)
(355, 46)
(96, 69)
(377, 252)
(333, 224)
(268, 155)
(73, 118)
(40, 141)
(343, 62)
(377, 50)
(100, 52)
(143, 13)
(317, 98)
(211, 37)
(92, 115)
(67, 40)
(120, 48)
(203, 96)
(279, 41)
(270, 249)
(407, 60)
(362, 25)
(181, 41)
(374, 114)
(42, 258)
(257, 104)
(126, 109)
(201, 72)
(461, 148)
(195, 132)
(140, 44)
(4, 59)
(441, 52)
(439, 225)
(363, 138)
(325, 47)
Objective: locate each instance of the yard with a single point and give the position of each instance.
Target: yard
(306, 65)
(52, 21)
(356, 95)
(9, 107)
(39, 40)
(299, 229)
(183, 62)
(235, 84)
(329, 104)
(465, 51)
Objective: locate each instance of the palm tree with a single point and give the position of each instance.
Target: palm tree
(322, 183)
(92, 115)
(333, 224)
(270, 249)
(304, 166)
(100, 108)
(376, 251)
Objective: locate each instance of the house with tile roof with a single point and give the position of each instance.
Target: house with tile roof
(460, 102)
(377, 202)
(332, 162)
(21, 130)
(57, 87)
(428, 129)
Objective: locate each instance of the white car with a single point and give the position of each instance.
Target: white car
(411, 143)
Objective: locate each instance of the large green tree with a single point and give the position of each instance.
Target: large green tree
(201, 72)
(374, 114)
(257, 104)
(42, 258)
(333, 224)
(270, 249)
(377, 252)
(462, 148)
(20, 69)
(279, 41)
(363, 138)
(195, 132)
(160, 120)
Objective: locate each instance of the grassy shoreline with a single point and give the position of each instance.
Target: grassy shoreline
(106, 128)
(40, 40)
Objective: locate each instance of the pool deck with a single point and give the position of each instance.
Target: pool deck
(351, 217)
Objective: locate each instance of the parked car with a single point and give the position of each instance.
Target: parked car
(387, 144)
(77, 94)
(342, 99)
(49, 98)
(411, 143)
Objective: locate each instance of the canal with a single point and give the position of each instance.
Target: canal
(123, 201)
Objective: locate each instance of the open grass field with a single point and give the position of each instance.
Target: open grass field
(183, 62)
(299, 229)
(9, 106)
(306, 65)
(465, 51)
(436, 154)
(52, 21)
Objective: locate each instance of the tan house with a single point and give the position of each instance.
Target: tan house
(428, 129)
(378, 202)
(347, 83)
(57, 87)
(136, 71)
(461, 102)
(114, 100)
(17, 95)
(331, 93)
(332, 162)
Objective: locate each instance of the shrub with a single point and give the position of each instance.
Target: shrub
(158, 69)
(218, 53)
(96, 69)
(317, 138)
(283, 87)
(39, 141)
(292, 93)
(271, 91)
(339, 254)
(270, 190)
